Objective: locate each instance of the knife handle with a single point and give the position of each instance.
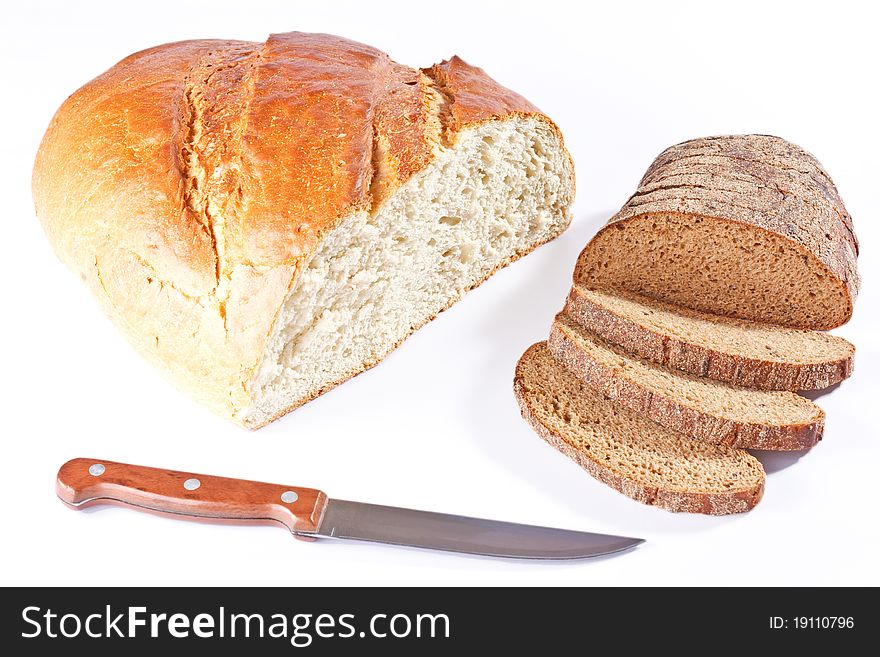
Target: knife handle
(85, 482)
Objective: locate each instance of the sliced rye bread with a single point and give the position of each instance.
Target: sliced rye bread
(620, 448)
(738, 352)
(700, 408)
(745, 226)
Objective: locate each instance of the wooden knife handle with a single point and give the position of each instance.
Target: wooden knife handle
(85, 482)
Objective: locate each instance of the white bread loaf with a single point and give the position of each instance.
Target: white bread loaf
(265, 220)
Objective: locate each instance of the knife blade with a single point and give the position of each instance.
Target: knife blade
(309, 514)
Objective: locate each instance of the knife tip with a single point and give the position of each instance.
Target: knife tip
(627, 543)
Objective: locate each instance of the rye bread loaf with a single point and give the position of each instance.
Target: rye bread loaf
(698, 407)
(628, 452)
(747, 226)
(738, 352)
(265, 220)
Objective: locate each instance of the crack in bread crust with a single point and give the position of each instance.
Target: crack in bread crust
(443, 100)
(214, 108)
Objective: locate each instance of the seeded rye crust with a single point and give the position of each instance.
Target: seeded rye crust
(776, 370)
(759, 181)
(539, 377)
(680, 405)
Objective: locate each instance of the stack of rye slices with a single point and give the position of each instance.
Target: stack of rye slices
(696, 314)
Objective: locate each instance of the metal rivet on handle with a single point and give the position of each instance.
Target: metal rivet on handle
(289, 497)
(192, 484)
(96, 469)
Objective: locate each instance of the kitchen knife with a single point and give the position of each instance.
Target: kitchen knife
(310, 514)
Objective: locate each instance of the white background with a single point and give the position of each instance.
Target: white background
(435, 426)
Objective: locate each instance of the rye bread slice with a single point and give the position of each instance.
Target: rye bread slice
(745, 226)
(642, 460)
(703, 409)
(738, 352)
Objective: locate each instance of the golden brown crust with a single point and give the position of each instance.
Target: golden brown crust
(109, 143)
(473, 97)
(758, 180)
(319, 104)
(677, 414)
(189, 183)
(668, 499)
(678, 353)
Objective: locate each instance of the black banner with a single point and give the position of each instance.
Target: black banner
(433, 621)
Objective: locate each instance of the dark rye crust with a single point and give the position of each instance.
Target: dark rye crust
(677, 501)
(699, 360)
(760, 181)
(675, 414)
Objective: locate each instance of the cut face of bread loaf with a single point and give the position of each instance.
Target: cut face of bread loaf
(628, 452)
(748, 226)
(264, 221)
(738, 352)
(376, 278)
(700, 408)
